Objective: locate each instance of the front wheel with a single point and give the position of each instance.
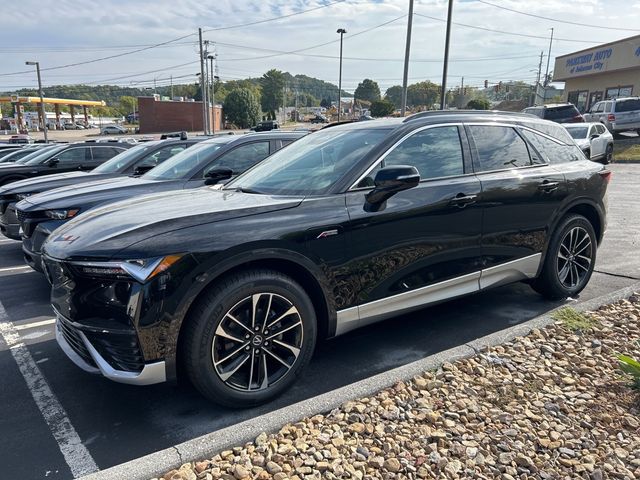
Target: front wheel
(249, 337)
(570, 259)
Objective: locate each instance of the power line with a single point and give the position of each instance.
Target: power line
(556, 19)
(591, 42)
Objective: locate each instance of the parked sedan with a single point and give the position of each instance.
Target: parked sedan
(48, 161)
(594, 140)
(348, 226)
(113, 129)
(135, 161)
(210, 162)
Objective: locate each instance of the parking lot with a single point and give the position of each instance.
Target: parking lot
(51, 403)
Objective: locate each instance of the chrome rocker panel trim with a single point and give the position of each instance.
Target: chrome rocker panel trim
(365, 314)
(151, 373)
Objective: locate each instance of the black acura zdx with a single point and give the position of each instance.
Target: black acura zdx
(347, 226)
(133, 162)
(210, 162)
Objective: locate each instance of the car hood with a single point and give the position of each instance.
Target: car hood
(87, 195)
(49, 182)
(107, 230)
(11, 167)
(582, 142)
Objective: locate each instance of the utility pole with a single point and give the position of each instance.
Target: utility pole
(154, 85)
(171, 79)
(535, 98)
(445, 67)
(213, 81)
(546, 75)
(405, 77)
(284, 104)
(341, 31)
(461, 93)
(43, 113)
(205, 120)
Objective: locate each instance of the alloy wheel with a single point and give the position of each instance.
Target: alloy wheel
(257, 342)
(574, 257)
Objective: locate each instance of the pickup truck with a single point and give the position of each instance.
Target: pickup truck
(617, 114)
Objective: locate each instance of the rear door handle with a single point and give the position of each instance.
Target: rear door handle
(461, 200)
(548, 186)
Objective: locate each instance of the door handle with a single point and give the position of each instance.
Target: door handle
(461, 200)
(548, 186)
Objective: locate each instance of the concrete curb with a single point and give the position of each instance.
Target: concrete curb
(206, 446)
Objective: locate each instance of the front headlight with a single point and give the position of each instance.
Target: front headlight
(62, 214)
(22, 196)
(140, 270)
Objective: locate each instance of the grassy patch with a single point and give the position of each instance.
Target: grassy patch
(631, 367)
(572, 319)
(625, 152)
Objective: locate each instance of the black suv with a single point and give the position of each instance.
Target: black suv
(210, 162)
(557, 112)
(133, 162)
(349, 225)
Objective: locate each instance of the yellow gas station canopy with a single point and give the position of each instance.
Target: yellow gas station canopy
(53, 101)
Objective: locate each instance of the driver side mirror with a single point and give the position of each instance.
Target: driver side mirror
(388, 182)
(217, 174)
(595, 135)
(52, 162)
(142, 169)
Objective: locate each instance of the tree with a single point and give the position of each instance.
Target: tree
(367, 90)
(272, 84)
(127, 105)
(394, 95)
(478, 104)
(423, 94)
(381, 108)
(325, 103)
(242, 107)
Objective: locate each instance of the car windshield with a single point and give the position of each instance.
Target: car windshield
(311, 165)
(18, 156)
(578, 132)
(184, 162)
(122, 160)
(38, 157)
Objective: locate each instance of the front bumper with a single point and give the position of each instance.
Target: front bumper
(9, 225)
(75, 343)
(32, 245)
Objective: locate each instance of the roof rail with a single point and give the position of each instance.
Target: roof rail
(435, 113)
(181, 135)
(335, 124)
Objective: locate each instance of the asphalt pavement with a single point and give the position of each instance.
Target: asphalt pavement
(59, 422)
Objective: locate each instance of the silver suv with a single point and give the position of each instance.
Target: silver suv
(617, 114)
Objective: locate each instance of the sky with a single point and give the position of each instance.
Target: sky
(67, 32)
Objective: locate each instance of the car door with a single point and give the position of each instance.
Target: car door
(424, 245)
(72, 158)
(598, 141)
(520, 195)
(238, 159)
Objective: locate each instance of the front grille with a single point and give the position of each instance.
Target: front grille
(120, 350)
(22, 215)
(73, 338)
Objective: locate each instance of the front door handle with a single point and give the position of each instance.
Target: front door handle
(548, 186)
(461, 200)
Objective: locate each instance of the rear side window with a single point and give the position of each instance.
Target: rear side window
(435, 152)
(241, 158)
(102, 154)
(553, 130)
(553, 152)
(628, 105)
(607, 107)
(499, 148)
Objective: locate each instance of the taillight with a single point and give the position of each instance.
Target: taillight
(606, 175)
(578, 119)
(611, 117)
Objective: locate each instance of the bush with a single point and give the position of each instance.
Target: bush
(478, 104)
(381, 108)
(242, 107)
(631, 367)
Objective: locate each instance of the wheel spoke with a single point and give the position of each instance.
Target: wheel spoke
(579, 244)
(562, 275)
(255, 298)
(562, 245)
(280, 332)
(226, 375)
(253, 357)
(221, 332)
(292, 310)
(277, 358)
(576, 274)
(235, 320)
(265, 380)
(231, 355)
(266, 314)
(586, 269)
(291, 348)
(583, 248)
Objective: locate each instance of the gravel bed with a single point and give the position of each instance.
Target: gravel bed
(549, 405)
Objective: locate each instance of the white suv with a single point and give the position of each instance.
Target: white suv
(617, 114)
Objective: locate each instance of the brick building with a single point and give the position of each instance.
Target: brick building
(162, 116)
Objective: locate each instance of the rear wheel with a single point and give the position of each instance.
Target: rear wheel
(608, 154)
(569, 261)
(249, 338)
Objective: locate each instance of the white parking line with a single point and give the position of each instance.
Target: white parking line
(75, 453)
(15, 269)
(42, 323)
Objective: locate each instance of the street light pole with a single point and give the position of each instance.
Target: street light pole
(42, 111)
(341, 31)
(546, 75)
(443, 99)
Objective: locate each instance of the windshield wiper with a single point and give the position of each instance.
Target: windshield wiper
(248, 190)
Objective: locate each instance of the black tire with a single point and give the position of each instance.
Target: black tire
(549, 283)
(587, 153)
(210, 334)
(608, 155)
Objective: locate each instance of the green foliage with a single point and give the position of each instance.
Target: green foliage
(325, 102)
(367, 90)
(381, 108)
(242, 107)
(394, 95)
(631, 367)
(572, 319)
(272, 84)
(478, 104)
(423, 94)
(127, 105)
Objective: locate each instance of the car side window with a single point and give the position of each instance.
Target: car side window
(601, 129)
(72, 156)
(160, 156)
(553, 152)
(102, 154)
(607, 107)
(499, 148)
(435, 152)
(243, 157)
